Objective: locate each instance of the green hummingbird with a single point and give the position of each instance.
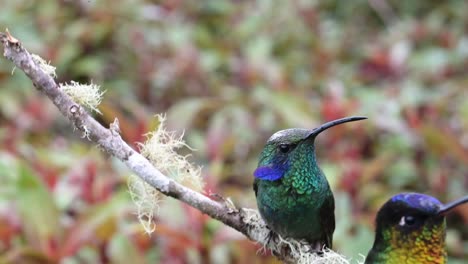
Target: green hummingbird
(293, 194)
(411, 229)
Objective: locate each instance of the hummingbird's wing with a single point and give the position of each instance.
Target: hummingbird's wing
(255, 187)
(327, 220)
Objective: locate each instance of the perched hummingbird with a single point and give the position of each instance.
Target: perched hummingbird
(411, 229)
(293, 195)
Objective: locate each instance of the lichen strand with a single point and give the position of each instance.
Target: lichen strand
(44, 66)
(161, 150)
(422, 247)
(146, 199)
(87, 95)
(297, 251)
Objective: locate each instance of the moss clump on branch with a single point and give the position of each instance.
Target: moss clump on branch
(295, 250)
(45, 66)
(161, 150)
(87, 95)
(146, 199)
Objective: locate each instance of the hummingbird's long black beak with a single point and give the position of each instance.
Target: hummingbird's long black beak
(327, 125)
(447, 207)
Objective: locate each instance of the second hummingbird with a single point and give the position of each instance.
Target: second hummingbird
(411, 229)
(293, 194)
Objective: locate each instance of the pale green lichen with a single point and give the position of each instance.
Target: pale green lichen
(298, 251)
(146, 198)
(161, 148)
(44, 66)
(87, 95)
(302, 254)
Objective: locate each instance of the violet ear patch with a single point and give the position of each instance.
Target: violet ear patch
(268, 173)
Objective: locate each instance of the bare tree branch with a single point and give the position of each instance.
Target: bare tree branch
(246, 221)
(112, 142)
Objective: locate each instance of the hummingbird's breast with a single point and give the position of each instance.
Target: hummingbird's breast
(426, 246)
(292, 207)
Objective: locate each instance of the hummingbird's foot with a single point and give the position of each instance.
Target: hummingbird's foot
(271, 237)
(317, 248)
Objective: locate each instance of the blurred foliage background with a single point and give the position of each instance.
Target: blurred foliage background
(230, 73)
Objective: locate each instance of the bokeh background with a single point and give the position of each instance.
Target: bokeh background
(229, 74)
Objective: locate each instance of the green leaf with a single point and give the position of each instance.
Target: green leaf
(184, 113)
(121, 251)
(39, 214)
(100, 222)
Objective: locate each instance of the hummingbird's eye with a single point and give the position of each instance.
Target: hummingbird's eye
(284, 148)
(407, 220)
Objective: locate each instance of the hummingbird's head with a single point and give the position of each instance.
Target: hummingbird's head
(410, 224)
(409, 212)
(285, 145)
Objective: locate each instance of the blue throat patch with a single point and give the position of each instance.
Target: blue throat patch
(269, 173)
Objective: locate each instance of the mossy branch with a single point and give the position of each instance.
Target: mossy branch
(246, 221)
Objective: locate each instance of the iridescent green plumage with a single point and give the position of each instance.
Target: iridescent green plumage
(411, 229)
(293, 195)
